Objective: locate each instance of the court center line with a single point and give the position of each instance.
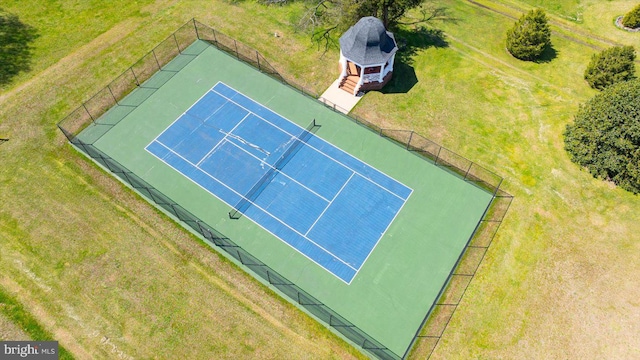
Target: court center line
(276, 127)
(255, 222)
(253, 204)
(215, 147)
(280, 172)
(329, 204)
(312, 147)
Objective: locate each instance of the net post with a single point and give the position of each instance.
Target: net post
(258, 187)
(235, 214)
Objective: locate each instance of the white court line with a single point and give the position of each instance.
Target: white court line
(329, 204)
(215, 147)
(404, 200)
(193, 116)
(312, 147)
(253, 204)
(280, 172)
(373, 169)
(178, 118)
(381, 235)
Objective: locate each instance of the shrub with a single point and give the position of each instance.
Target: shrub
(611, 66)
(632, 18)
(529, 36)
(605, 135)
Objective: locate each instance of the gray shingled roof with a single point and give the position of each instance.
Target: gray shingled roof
(368, 42)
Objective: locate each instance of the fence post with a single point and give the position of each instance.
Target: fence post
(467, 173)
(438, 154)
(258, 59)
(410, 137)
(155, 57)
(177, 45)
(195, 26)
(235, 43)
(215, 39)
(87, 110)
(114, 97)
(497, 187)
(134, 76)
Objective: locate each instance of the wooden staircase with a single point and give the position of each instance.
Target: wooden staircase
(349, 83)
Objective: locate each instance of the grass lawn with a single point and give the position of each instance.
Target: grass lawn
(557, 280)
(96, 265)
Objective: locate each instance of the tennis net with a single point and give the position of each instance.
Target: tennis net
(265, 180)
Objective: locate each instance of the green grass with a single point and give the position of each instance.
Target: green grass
(98, 262)
(400, 280)
(565, 231)
(12, 310)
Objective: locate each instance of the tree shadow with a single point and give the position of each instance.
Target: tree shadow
(409, 44)
(548, 54)
(15, 46)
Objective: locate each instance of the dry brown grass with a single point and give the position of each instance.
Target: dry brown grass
(105, 272)
(109, 275)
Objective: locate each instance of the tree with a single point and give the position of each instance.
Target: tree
(632, 18)
(15, 50)
(605, 135)
(611, 66)
(326, 17)
(529, 36)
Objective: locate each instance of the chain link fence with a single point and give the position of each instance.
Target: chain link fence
(142, 79)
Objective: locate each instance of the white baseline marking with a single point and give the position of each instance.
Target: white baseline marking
(329, 204)
(229, 100)
(253, 204)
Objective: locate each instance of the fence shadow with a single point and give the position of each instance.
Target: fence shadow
(133, 86)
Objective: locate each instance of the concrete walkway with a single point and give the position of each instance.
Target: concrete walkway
(338, 98)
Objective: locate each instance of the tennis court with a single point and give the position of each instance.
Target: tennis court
(368, 229)
(323, 202)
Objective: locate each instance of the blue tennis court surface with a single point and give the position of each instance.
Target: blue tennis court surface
(323, 202)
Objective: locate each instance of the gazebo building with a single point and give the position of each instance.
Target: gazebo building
(367, 51)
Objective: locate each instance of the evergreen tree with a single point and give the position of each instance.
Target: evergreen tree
(605, 135)
(529, 36)
(611, 66)
(632, 18)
